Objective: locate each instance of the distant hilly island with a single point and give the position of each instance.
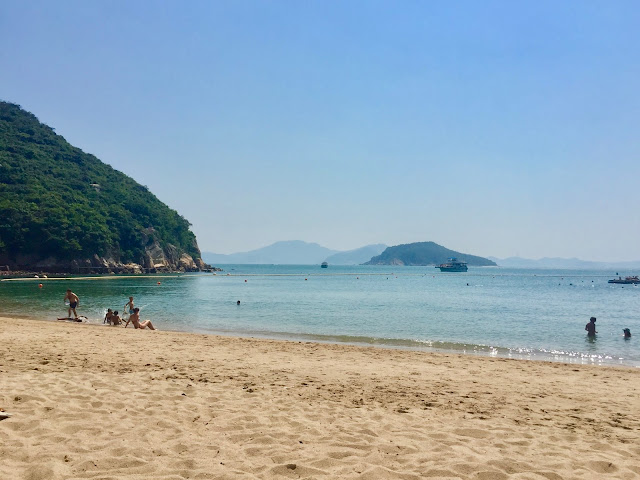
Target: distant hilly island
(425, 253)
(297, 252)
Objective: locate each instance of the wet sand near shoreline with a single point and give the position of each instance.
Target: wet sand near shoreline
(110, 403)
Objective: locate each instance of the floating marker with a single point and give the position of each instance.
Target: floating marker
(40, 285)
(159, 283)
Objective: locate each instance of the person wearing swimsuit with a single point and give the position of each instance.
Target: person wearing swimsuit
(135, 319)
(129, 306)
(73, 303)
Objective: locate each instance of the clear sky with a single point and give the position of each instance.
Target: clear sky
(493, 128)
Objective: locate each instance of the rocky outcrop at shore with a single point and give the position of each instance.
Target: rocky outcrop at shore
(155, 260)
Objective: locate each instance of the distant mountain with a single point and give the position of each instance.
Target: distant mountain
(568, 263)
(424, 253)
(357, 256)
(294, 252)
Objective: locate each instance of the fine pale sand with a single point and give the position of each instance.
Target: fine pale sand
(112, 403)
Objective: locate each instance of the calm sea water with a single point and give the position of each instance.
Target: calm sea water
(522, 313)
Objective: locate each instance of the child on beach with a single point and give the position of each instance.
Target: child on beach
(107, 317)
(115, 319)
(130, 306)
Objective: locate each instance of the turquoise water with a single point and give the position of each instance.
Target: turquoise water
(522, 313)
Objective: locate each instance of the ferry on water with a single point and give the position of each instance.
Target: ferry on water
(627, 280)
(453, 265)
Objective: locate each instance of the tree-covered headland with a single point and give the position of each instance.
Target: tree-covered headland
(64, 210)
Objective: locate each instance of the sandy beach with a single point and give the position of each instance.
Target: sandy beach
(112, 403)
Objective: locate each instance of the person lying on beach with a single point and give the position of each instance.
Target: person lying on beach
(73, 302)
(115, 319)
(107, 317)
(591, 327)
(135, 319)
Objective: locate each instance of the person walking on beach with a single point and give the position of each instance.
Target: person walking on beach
(73, 303)
(129, 307)
(135, 319)
(591, 327)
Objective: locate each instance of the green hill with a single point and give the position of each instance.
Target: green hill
(424, 253)
(64, 210)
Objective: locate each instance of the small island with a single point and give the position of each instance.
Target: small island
(425, 253)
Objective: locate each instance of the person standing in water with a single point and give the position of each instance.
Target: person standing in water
(129, 307)
(73, 303)
(591, 327)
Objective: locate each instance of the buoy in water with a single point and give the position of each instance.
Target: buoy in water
(40, 285)
(159, 283)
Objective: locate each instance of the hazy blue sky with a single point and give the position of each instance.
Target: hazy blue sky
(493, 128)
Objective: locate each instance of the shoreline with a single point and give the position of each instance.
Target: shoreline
(435, 347)
(441, 347)
(115, 403)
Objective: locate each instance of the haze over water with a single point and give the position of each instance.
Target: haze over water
(535, 314)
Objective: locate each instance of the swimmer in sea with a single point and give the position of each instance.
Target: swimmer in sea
(73, 303)
(627, 333)
(591, 327)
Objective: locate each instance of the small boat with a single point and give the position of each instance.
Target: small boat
(324, 265)
(626, 280)
(453, 265)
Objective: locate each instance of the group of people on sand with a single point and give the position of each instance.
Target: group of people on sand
(111, 318)
(591, 329)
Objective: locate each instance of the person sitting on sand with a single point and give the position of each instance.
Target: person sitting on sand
(115, 319)
(627, 333)
(129, 305)
(135, 319)
(73, 303)
(591, 327)
(107, 317)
